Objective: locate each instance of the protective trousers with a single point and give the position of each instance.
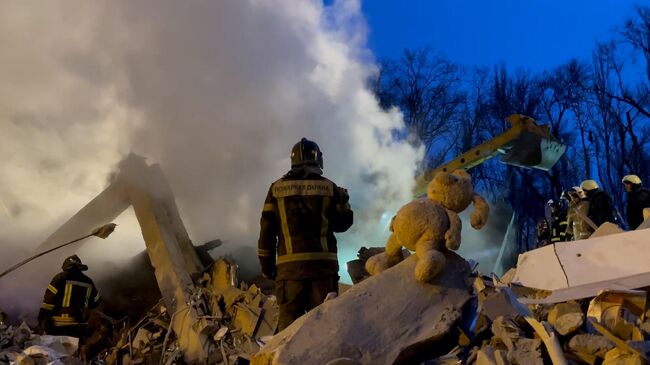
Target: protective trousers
(297, 297)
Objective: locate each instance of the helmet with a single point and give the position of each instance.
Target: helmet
(631, 179)
(552, 205)
(575, 193)
(564, 195)
(73, 262)
(589, 185)
(306, 152)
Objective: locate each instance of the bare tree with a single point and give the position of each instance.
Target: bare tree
(425, 86)
(600, 109)
(622, 136)
(562, 89)
(637, 33)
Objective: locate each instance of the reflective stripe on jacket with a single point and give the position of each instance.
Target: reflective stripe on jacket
(299, 218)
(558, 227)
(66, 298)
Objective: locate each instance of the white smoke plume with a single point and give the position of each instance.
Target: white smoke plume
(217, 92)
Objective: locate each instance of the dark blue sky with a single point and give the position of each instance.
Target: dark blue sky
(527, 34)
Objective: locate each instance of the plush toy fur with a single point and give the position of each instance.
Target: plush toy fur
(429, 225)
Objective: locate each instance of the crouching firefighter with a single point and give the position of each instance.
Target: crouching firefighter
(67, 298)
(297, 246)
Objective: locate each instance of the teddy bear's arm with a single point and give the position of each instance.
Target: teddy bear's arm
(481, 211)
(452, 236)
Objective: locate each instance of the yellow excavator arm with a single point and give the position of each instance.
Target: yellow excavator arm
(525, 144)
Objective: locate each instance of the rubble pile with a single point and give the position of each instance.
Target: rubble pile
(240, 318)
(357, 268)
(461, 317)
(497, 328)
(464, 317)
(20, 346)
(388, 318)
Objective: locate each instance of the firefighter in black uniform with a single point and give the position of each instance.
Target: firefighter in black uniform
(558, 222)
(638, 198)
(601, 208)
(297, 246)
(543, 233)
(67, 298)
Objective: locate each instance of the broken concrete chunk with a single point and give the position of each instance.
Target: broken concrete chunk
(479, 284)
(526, 352)
(45, 353)
(357, 271)
(606, 229)
(22, 333)
(509, 276)
(365, 253)
(253, 289)
(222, 275)
(24, 360)
(617, 356)
(141, 339)
(545, 332)
(620, 344)
(590, 344)
(220, 333)
(247, 318)
(501, 357)
(269, 320)
(232, 295)
(206, 327)
(498, 304)
(485, 356)
(404, 317)
(61, 344)
(566, 317)
(507, 331)
(619, 311)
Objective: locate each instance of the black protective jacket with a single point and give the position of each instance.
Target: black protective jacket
(301, 212)
(558, 226)
(67, 297)
(637, 200)
(601, 209)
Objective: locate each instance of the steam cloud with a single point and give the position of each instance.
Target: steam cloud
(217, 92)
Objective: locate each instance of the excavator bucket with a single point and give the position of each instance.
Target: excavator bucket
(525, 144)
(534, 151)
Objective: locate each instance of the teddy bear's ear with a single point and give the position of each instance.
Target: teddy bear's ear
(444, 178)
(463, 174)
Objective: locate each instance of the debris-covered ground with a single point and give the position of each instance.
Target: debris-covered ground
(495, 326)
(241, 316)
(463, 317)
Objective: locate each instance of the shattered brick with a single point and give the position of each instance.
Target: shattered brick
(566, 318)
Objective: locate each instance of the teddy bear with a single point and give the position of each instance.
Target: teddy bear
(430, 224)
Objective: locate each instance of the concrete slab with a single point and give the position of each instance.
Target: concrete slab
(577, 263)
(381, 320)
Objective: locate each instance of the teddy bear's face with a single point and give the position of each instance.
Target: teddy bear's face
(453, 190)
